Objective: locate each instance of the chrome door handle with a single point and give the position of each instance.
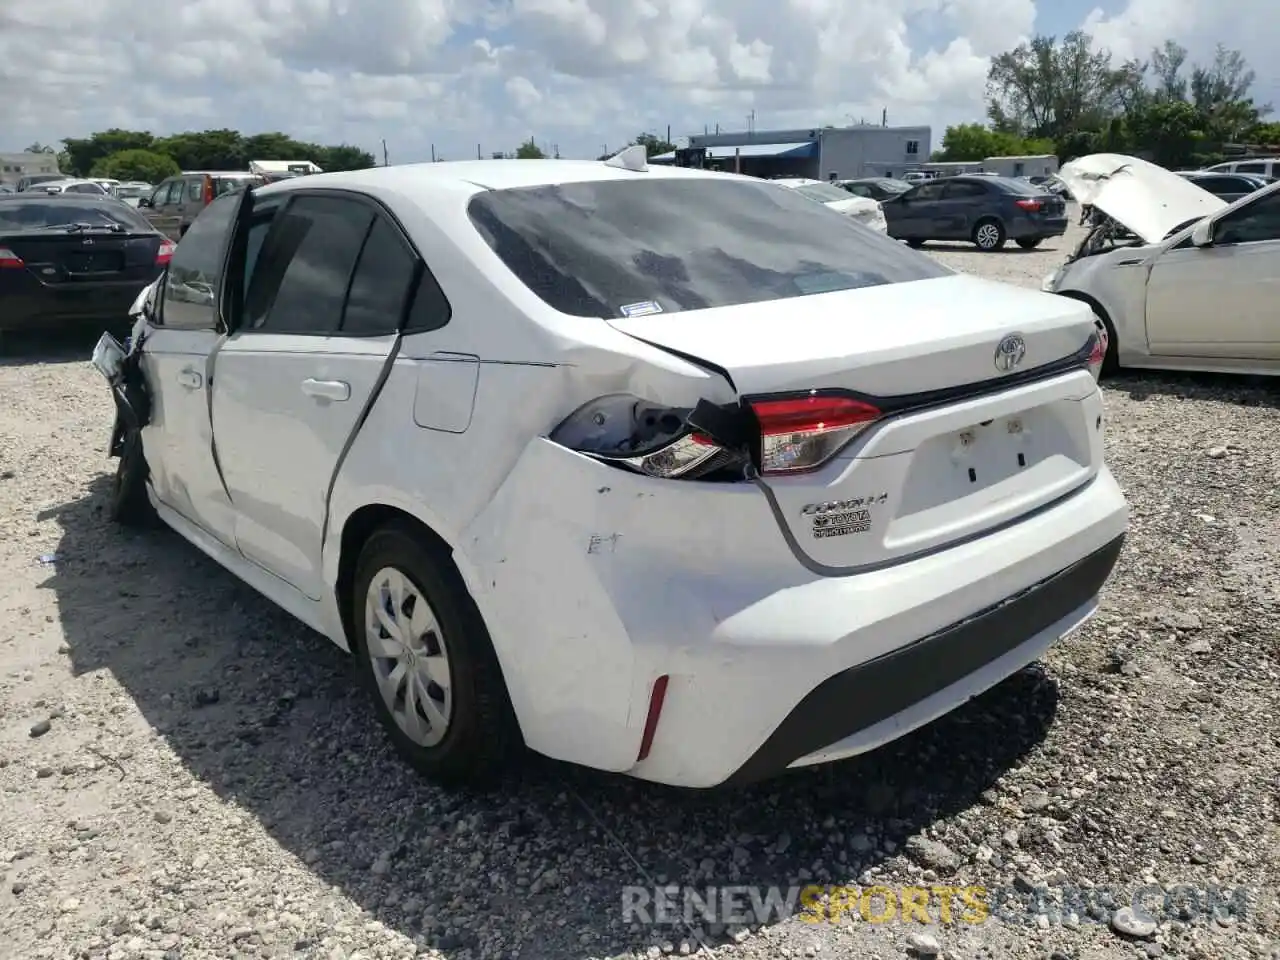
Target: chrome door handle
(327, 389)
(190, 379)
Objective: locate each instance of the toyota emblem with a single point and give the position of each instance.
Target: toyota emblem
(1009, 352)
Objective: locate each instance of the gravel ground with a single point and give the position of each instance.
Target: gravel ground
(187, 772)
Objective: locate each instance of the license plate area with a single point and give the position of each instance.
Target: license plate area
(989, 452)
(94, 261)
(1007, 455)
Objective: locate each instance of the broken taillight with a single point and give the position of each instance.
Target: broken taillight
(10, 260)
(791, 434)
(165, 253)
(643, 436)
(802, 433)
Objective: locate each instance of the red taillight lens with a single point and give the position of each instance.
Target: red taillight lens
(208, 190)
(165, 253)
(10, 260)
(1031, 205)
(1099, 352)
(803, 433)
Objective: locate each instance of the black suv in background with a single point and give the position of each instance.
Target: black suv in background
(983, 210)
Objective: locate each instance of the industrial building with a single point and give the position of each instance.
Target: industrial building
(819, 153)
(1031, 165)
(15, 166)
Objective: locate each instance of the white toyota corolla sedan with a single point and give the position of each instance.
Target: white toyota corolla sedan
(656, 470)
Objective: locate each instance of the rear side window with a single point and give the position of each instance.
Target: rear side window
(616, 248)
(196, 268)
(1260, 167)
(300, 280)
(964, 190)
(380, 285)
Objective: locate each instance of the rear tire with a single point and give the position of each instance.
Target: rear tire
(988, 235)
(130, 506)
(425, 657)
(1030, 243)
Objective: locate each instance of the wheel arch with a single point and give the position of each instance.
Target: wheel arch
(359, 525)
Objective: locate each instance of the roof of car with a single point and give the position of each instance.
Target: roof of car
(60, 197)
(487, 174)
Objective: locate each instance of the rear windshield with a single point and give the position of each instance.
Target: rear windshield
(1013, 185)
(628, 248)
(822, 192)
(19, 213)
(894, 186)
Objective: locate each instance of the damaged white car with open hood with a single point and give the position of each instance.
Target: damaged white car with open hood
(661, 471)
(1179, 279)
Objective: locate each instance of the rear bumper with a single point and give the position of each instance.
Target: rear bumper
(864, 706)
(595, 582)
(43, 308)
(1024, 229)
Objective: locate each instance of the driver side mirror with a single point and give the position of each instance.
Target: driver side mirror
(144, 201)
(1202, 235)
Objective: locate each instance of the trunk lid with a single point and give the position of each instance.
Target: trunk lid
(87, 256)
(887, 340)
(943, 463)
(1147, 200)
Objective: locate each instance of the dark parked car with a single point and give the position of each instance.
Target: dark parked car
(1229, 186)
(72, 259)
(876, 188)
(984, 210)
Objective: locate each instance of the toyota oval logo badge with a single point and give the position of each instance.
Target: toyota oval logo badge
(1009, 352)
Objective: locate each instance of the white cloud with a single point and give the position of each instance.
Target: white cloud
(577, 73)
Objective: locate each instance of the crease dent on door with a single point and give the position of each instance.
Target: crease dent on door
(209, 364)
(378, 384)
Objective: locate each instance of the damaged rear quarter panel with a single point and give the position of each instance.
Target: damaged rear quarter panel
(519, 514)
(594, 580)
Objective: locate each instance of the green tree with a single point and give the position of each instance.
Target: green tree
(206, 150)
(84, 152)
(654, 145)
(145, 165)
(39, 147)
(1265, 133)
(346, 157)
(1168, 130)
(1044, 88)
(529, 151)
(974, 142)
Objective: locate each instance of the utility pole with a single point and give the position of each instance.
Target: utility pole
(433, 153)
(668, 133)
(884, 117)
(478, 157)
(384, 151)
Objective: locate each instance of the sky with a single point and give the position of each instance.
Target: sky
(577, 75)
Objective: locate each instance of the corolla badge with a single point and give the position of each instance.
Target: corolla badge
(1009, 352)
